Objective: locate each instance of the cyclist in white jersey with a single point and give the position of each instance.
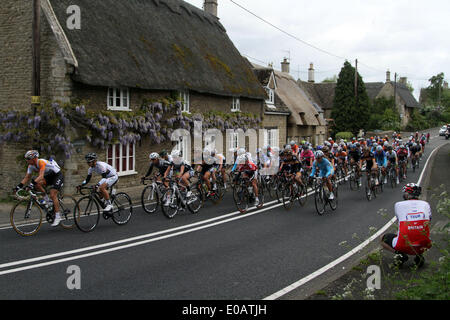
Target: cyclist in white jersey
(109, 177)
(413, 236)
(49, 174)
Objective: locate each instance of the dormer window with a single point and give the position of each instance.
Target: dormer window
(271, 96)
(118, 99)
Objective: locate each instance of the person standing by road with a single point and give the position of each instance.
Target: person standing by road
(413, 236)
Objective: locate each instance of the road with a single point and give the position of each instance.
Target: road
(215, 254)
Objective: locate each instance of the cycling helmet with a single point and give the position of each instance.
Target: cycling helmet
(319, 147)
(318, 154)
(325, 149)
(292, 143)
(240, 151)
(357, 145)
(379, 148)
(31, 154)
(91, 157)
(154, 155)
(287, 148)
(411, 191)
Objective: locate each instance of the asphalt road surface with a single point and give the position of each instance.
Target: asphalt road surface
(215, 254)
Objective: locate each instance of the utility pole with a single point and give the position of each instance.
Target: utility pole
(356, 82)
(36, 53)
(395, 91)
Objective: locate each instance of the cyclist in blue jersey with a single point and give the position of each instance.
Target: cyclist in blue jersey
(381, 159)
(326, 170)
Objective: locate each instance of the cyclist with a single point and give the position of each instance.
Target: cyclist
(207, 169)
(291, 165)
(326, 171)
(380, 158)
(219, 165)
(402, 155)
(49, 174)
(294, 147)
(341, 157)
(109, 177)
(163, 166)
(415, 152)
(248, 169)
(413, 236)
(371, 165)
(307, 157)
(181, 169)
(391, 157)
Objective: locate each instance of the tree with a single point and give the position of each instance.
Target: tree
(350, 113)
(333, 79)
(434, 90)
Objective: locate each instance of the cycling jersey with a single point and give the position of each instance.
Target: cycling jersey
(414, 226)
(355, 154)
(161, 165)
(414, 150)
(381, 159)
(391, 156)
(341, 155)
(325, 168)
(369, 160)
(50, 167)
(402, 154)
(291, 164)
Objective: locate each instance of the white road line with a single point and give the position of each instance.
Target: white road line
(332, 264)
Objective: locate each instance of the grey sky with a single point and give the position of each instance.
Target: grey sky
(408, 37)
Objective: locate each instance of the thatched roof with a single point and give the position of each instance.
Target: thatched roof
(302, 109)
(154, 44)
(406, 95)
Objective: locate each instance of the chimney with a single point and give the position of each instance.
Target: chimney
(403, 80)
(388, 76)
(210, 6)
(285, 65)
(311, 73)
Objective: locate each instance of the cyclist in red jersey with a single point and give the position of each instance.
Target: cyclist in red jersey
(413, 236)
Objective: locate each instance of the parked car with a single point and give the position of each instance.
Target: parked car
(442, 130)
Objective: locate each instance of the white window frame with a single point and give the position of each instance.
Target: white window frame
(234, 140)
(123, 94)
(271, 101)
(182, 146)
(236, 104)
(271, 138)
(185, 103)
(120, 170)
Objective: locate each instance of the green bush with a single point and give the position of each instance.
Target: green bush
(344, 135)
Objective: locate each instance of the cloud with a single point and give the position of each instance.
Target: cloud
(404, 36)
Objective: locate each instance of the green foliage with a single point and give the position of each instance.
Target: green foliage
(344, 135)
(333, 79)
(417, 122)
(350, 114)
(383, 116)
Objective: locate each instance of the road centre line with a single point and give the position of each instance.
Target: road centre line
(332, 264)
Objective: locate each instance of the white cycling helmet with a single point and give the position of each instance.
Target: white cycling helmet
(318, 154)
(240, 151)
(154, 155)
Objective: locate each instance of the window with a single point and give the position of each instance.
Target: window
(184, 98)
(119, 99)
(182, 146)
(271, 137)
(271, 94)
(122, 158)
(234, 142)
(236, 105)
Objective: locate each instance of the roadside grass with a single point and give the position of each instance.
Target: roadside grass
(431, 282)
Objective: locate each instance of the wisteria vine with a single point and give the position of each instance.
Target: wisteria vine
(54, 127)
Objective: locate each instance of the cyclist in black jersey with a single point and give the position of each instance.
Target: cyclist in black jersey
(163, 166)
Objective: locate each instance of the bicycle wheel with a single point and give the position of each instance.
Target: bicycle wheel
(241, 198)
(195, 201)
(333, 203)
(67, 204)
(352, 182)
(86, 214)
(278, 186)
(26, 218)
(319, 200)
(302, 195)
(287, 195)
(122, 208)
(149, 199)
(393, 178)
(169, 203)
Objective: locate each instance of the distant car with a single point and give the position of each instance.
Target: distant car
(442, 131)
